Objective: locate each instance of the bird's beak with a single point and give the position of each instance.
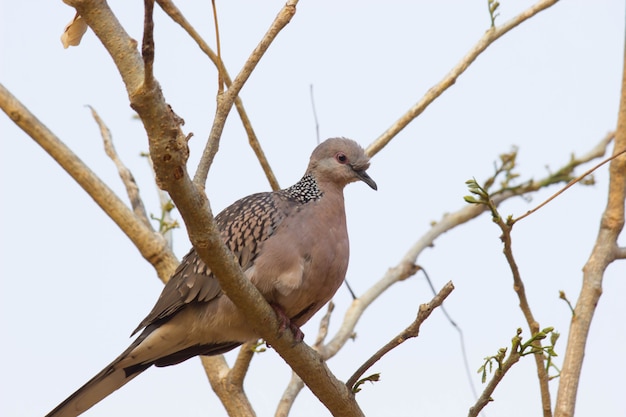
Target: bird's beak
(366, 179)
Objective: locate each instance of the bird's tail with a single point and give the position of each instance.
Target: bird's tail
(111, 378)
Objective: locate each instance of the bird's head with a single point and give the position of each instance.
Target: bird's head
(340, 161)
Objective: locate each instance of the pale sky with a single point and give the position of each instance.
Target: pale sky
(73, 287)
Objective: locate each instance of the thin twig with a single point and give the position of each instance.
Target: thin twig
(174, 13)
(461, 336)
(132, 190)
(518, 285)
(487, 39)
(324, 323)
(164, 202)
(409, 332)
(317, 125)
(498, 375)
(220, 63)
(225, 101)
(569, 184)
(147, 44)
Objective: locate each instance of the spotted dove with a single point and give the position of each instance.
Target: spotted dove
(292, 244)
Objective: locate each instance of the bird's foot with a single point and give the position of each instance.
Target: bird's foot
(285, 323)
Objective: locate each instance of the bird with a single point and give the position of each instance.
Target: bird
(293, 246)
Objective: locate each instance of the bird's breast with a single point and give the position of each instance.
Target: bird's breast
(301, 266)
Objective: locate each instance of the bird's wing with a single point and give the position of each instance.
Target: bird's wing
(244, 226)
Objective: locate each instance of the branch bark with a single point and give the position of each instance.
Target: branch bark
(604, 252)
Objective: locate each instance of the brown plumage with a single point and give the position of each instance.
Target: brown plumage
(292, 244)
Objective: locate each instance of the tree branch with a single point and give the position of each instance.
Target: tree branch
(409, 332)
(132, 190)
(518, 286)
(174, 13)
(498, 375)
(605, 251)
(225, 101)
(431, 95)
(593, 154)
(230, 393)
(152, 245)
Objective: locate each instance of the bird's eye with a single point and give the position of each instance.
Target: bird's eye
(341, 158)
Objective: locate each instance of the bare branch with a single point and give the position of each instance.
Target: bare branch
(132, 190)
(174, 13)
(147, 44)
(239, 370)
(587, 157)
(487, 39)
(289, 396)
(151, 245)
(603, 253)
(231, 395)
(409, 332)
(166, 224)
(225, 101)
(220, 63)
(317, 125)
(324, 323)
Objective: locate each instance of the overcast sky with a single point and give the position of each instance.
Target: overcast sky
(72, 286)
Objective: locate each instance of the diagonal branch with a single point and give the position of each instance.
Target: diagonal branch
(225, 101)
(498, 375)
(600, 148)
(174, 13)
(431, 95)
(412, 331)
(151, 244)
(132, 190)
